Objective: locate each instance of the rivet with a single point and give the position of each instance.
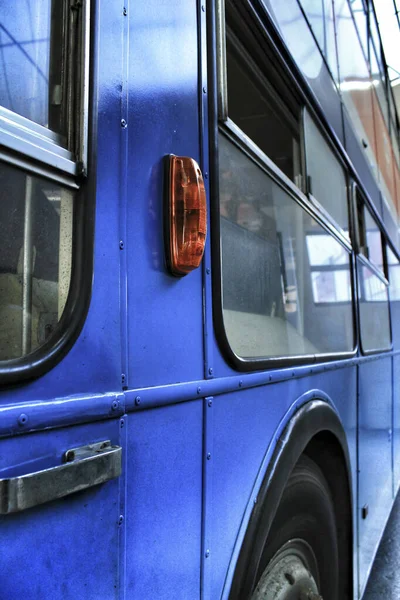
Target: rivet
(206, 175)
(208, 455)
(124, 12)
(120, 520)
(203, 8)
(137, 400)
(121, 245)
(210, 371)
(210, 402)
(198, 390)
(207, 553)
(122, 422)
(270, 378)
(114, 404)
(204, 90)
(208, 270)
(124, 124)
(22, 419)
(240, 383)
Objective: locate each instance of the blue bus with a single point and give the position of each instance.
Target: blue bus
(199, 299)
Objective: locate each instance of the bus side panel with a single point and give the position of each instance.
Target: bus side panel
(164, 502)
(396, 418)
(65, 549)
(165, 313)
(244, 425)
(375, 458)
(93, 365)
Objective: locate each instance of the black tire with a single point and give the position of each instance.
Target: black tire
(306, 513)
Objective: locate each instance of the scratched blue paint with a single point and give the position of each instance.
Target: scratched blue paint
(375, 457)
(65, 549)
(164, 502)
(240, 445)
(175, 503)
(163, 108)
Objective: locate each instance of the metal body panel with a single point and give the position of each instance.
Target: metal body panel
(396, 420)
(93, 363)
(164, 346)
(172, 525)
(375, 458)
(64, 549)
(242, 446)
(164, 502)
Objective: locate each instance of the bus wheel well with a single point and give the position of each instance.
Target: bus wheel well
(325, 450)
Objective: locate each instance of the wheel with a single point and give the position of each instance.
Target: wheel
(300, 557)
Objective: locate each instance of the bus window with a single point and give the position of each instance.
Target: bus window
(43, 128)
(260, 112)
(32, 80)
(329, 190)
(277, 300)
(374, 310)
(370, 237)
(35, 259)
(394, 275)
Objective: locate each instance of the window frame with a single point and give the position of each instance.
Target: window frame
(360, 202)
(220, 122)
(37, 150)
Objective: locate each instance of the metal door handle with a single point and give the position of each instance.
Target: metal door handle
(82, 468)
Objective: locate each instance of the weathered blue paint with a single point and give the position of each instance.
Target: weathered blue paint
(148, 534)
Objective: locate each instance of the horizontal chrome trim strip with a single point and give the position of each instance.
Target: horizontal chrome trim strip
(37, 146)
(23, 122)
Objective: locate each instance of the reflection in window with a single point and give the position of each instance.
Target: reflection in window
(31, 75)
(374, 310)
(35, 259)
(369, 234)
(330, 189)
(269, 250)
(329, 269)
(394, 275)
(373, 239)
(320, 16)
(360, 16)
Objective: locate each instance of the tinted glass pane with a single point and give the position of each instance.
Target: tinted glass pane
(35, 259)
(30, 83)
(320, 16)
(328, 183)
(285, 281)
(374, 240)
(261, 115)
(379, 85)
(360, 17)
(374, 311)
(394, 275)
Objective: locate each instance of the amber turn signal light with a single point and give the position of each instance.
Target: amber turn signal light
(186, 215)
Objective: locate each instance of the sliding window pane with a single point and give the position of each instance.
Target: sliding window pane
(31, 65)
(374, 311)
(261, 113)
(36, 217)
(327, 177)
(278, 298)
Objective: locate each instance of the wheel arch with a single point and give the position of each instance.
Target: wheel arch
(315, 430)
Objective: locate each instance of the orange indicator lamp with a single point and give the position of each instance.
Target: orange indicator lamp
(186, 215)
